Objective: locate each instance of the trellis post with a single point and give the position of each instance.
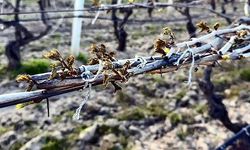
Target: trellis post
(77, 27)
(246, 8)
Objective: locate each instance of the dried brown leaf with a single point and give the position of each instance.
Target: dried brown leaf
(216, 26)
(203, 26)
(53, 54)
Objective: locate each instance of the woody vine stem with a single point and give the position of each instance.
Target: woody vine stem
(103, 68)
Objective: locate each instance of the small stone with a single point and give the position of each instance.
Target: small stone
(192, 94)
(57, 134)
(88, 133)
(112, 122)
(34, 144)
(198, 118)
(201, 144)
(38, 142)
(8, 138)
(134, 129)
(110, 138)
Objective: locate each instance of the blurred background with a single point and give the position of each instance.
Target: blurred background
(151, 112)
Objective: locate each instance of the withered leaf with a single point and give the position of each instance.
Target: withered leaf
(242, 33)
(96, 3)
(216, 26)
(70, 60)
(23, 77)
(107, 65)
(159, 46)
(93, 61)
(168, 31)
(105, 79)
(53, 54)
(203, 26)
(30, 86)
(54, 73)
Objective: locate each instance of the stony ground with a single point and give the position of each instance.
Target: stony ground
(152, 112)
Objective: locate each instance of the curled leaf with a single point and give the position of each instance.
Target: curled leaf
(30, 86)
(242, 33)
(168, 31)
(216, 26)
(102, 48)
(159, 46)
(23, 77)
(63, 75)
(93, 61)
(112, 54)
(96, 3)
(53, 54)
(70, 60)
(54, 73)
(203, 26)
(105, 79)
(107, 65)
(93, 49)
(125, 67)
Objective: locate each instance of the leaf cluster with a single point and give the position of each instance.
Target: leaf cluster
(63, 64)
(101, 56)
(163, 46)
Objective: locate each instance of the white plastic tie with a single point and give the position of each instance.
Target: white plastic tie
(76, 116)
(87, 72)
(183, 55)
(142, 60)
(85, 76)
(96, 16)
(189, 50)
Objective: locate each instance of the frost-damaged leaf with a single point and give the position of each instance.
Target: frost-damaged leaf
(203, 26)
(26, 78)
(23, 77)
(124, 69)
(93, 61)
(105, 79)
(30, 86)
(96, 3)
(70, 60)
(242, 33)
(63, 75)
(107, 65)
(216, 26)
(160, 47)
(53, 54)
(54, 73)
(168, 31)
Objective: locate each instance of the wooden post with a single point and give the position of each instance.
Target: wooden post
(77, 28)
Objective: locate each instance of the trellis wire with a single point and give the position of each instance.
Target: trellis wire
(119, 6)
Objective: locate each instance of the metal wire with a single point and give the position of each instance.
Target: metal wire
(114, 6)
